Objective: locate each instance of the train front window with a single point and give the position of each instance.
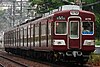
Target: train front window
(60, 27)
(87, 28)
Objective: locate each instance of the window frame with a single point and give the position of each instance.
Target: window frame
(82, 27)
(61, 22)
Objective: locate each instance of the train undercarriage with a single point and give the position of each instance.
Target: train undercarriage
(72, 56)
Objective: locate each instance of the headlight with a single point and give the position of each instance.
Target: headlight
(88, 42)
(74, 12)
(59, 42)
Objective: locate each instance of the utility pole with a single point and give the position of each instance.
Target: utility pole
(15, 8)
(13, 13)
(21, 12)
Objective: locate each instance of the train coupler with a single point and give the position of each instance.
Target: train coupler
(74, 53)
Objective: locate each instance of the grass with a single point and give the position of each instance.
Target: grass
(97, 42)
(94, 59)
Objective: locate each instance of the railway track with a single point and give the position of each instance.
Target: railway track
(60, 64)
(12, 61)
(34, 62)
(23, 62)
(1, 65)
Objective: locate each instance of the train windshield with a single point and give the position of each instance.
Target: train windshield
(87, 28)
(60, 27)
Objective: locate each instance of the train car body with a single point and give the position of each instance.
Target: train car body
(64, 35)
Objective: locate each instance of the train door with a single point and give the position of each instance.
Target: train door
(73, 34)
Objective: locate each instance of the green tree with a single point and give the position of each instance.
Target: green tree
(88, 1)
(96, 10)
(1, 12)
(46, 5)
(98, 26)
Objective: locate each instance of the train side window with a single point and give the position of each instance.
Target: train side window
(61, 28)
(9, 38)
(16, 37)
(87, 28)
(43, 29)
(25, 36)
(43, 34)
(21, 36)
(49, 30)
(36, 34)
(33, 35)
(29, 34)
(30, 39)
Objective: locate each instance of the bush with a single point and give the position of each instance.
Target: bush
(94, 59)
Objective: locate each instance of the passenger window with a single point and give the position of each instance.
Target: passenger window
(87, 28)
(60, 28)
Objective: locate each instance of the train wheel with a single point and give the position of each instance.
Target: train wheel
(55, 57)
(83, 61)
(50, 57)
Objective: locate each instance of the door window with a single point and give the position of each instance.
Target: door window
(74, 30)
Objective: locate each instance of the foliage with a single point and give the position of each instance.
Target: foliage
(98, 26)
(96, 10)
(1, 12)
(46, 5)
(94, 59)
(89, 1)
(97, 42)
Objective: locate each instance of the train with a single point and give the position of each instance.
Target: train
(64, 35)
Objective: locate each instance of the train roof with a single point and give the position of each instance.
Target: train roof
(81, 11)
(70, 7)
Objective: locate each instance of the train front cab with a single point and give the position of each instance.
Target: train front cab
(74, 35)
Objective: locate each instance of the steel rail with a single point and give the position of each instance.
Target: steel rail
(1, 65)
(21, 64)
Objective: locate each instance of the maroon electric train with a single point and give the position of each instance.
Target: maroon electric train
(66, 35)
